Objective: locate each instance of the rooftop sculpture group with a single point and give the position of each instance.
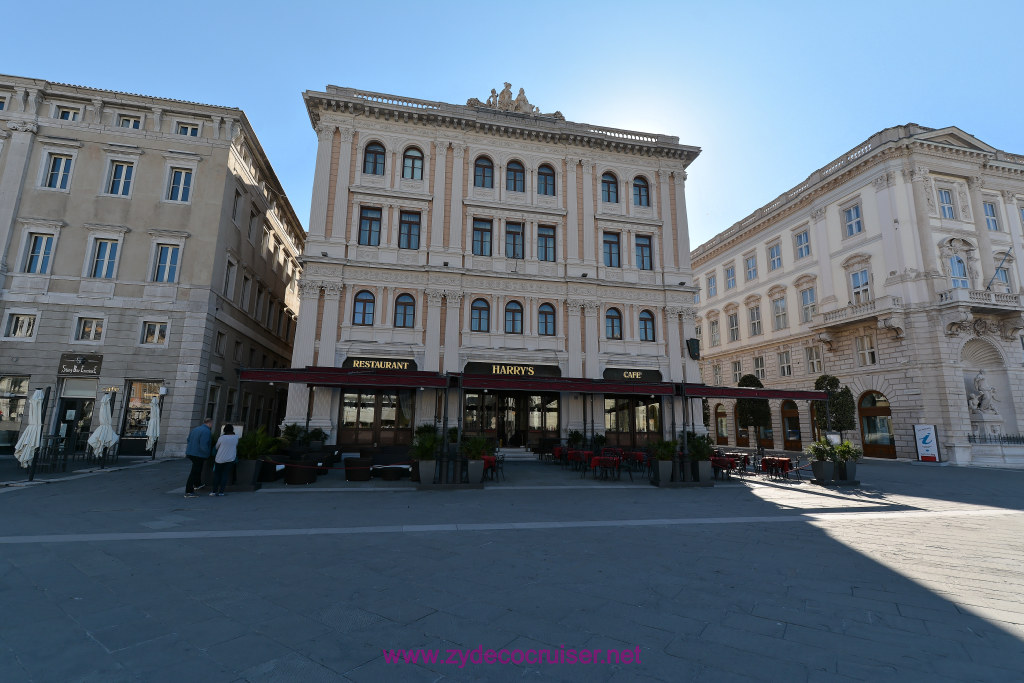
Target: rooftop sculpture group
(504, 101)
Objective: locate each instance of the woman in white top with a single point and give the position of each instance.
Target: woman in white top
(224, 463)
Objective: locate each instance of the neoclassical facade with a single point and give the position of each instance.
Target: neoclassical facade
(897, 268)
(506, 250)
(147, 249)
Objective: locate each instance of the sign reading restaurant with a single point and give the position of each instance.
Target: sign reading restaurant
(80, 364)
(379, 364)
(632, 375)
(513, 370)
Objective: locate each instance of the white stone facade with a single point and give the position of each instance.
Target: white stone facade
(543, 249)
(897, 264)
(150, 233)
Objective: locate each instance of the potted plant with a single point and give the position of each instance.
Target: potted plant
(424, 453)
(474, 449)
(575, 439)
(664, 451)
(316, 438)
(701, 448)
(847, 456)
(252, 448)
(597, 443)
(822, 454)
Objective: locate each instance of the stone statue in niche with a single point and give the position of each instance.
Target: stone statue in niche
(984, 398)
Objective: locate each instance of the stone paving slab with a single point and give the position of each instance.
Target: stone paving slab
(117, 577)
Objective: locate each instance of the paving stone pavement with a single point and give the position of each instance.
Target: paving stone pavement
(914, 576)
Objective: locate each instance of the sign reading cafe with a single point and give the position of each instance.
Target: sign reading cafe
(80, 364)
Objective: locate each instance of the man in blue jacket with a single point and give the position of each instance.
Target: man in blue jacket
(198, 449)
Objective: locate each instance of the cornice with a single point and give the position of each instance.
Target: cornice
(500, 207)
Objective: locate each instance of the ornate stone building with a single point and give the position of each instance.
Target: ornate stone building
(897, 268)
(147, 250)
(539, 266)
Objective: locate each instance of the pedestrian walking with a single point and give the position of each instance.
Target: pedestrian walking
(197, 449)
(224, 462)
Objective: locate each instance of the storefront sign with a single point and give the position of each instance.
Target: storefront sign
(379, 364)
(80, 364)
(513, 370)
(632, 375)
(927, 443)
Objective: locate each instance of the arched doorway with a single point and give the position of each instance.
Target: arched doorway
(876, 426)
(742, 439)
(721, 426)
(790, 427)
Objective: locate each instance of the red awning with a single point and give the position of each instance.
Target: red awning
(346, 377)
(706, 391)
(583, 386)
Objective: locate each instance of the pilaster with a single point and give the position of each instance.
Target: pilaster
(339, 222)
(592, 362)
(15, 168)
(432, 351)
(456, 227)
(574, 338)
(321, 179)
(452, 360)
(440, 161)
(589, 224)
(572, 247)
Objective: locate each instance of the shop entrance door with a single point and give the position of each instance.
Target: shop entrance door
(74, 419)
(512, 420)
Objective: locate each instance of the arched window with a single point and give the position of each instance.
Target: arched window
(363, 312)
(412, 164)
(480, 320)
(515, 177)
(613, 324)
(483, 172)
(546, 180)
(513, 318)
(641, 192)
(609, 188)
(646, 326)
(958, 272)
(405, 311)
(546, 320)
(373, 159)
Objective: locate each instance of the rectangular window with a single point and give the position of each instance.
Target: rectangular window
(409, 230)
(104, 255)
(712, 285)
(229, 280)
(730, 277)
(946, 203)
(180, 186)
(246, 290)
(166, 267)
(229, 407)
(481, 237)
(154, 333)
(866, 350)
(129, 122)
(808, 306)
(785, 364)
(20, 325)
(190, 129)
(514, 240)
(759, 370)
(545, 243)
(369, 226)
(219, 342)
(1003, 279)
(237, 354)
(737, 371)
(803, 244)
(854, 225)
(991, 222)
(755, 320)
(258, 311)
(611, 250)
(3, 103)
(751, 263)
(120, 178)
(859, 286)
(779, 313)
(253, 219)
(37, 260)
(67, 113)
(58, 171)
(716, 336)
(813, 356)
(235, 204)
(211, 402)
(716, 375)
(643, 253)
(734, 327)
(774, 257)
(89, 329)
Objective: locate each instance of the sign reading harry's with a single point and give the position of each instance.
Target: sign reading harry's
(513, 370)
(80, 364)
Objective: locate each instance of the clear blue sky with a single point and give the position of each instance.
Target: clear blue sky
(769, 90)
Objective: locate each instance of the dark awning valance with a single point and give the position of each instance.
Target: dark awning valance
(583, 386)
(703, 390)
(346, 377)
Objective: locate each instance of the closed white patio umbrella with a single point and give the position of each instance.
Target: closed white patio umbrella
(28, 442)
(104, 436)
(153, 430)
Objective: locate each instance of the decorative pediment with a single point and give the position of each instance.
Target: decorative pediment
(731, 307)
(805, 280)
(955, 137)
(859, 259)
(776, 291)
(712, 314)
(752, 300)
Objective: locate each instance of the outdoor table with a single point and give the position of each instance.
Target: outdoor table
(723, 463)
(606, 463)
(490, 464)
(778, 466)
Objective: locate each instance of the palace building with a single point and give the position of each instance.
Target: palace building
(897, 268)
(148, 250)
(533, 270)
